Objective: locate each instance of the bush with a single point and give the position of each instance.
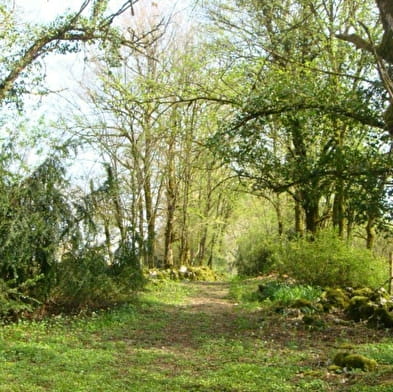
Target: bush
(329, 261)
(255, 253)
(14, 299)
(86, 280)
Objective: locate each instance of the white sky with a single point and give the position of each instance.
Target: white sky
(63, 68)
(63, 71)
(45, 10)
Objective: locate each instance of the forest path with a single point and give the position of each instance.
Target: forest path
(184, 337)
(205, 314)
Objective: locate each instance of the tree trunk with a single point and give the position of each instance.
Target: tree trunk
(370, 230)
(280, 223)
(338, 210)
(171, 206)
(298, 218)
(385, 49)
(311, 211)
(150, 240)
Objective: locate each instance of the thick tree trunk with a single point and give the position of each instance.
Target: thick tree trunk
(312, 214)
(310, 206)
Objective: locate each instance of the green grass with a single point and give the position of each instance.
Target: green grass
(162, 343)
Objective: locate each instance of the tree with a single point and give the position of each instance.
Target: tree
(22, 47)
(380, 45)
(306, 111)
(153, 129)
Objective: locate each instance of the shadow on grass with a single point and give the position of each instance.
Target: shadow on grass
(207, 316)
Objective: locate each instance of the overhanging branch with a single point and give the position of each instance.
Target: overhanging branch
(330, 109)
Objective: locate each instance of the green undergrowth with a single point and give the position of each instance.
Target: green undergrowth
(368, 352)
(169, 340)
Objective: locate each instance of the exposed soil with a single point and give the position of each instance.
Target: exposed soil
(207, 312)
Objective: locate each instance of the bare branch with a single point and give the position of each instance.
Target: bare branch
(358, 41)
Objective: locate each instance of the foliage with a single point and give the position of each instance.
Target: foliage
(288, 293)
(326, 260)
(105, 351)
(35, 220)
(83, 282)
(255, 253)
(40, 222)
(25, 45)
(304, 122)
(15, 300)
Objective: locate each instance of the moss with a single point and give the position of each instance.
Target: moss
(313, 322)
(335, 298)
(363, 292)
(340, 358)
(182, 273)
(354, 361)
(382, 317)
(301, 303)
(360, 308)
(334, 368)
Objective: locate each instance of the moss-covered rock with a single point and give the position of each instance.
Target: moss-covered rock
(382, 317)
(360, 308)
(302, 303)
(313, 321)
(334, 298)
(362, 292)
(354, 361)
(181, 273)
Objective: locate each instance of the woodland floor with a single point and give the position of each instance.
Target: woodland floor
(187, 337)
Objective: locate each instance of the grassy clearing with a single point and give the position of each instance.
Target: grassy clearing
(182, 337)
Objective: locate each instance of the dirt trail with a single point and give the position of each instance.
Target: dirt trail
(207, 313)
(212, 298)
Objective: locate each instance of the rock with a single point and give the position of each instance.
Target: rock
(334, 298)
(313, 321)
(360, 308)
(354, 361)
(363, 292)
(382, 317)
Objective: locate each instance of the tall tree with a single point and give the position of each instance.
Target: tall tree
(306, 84)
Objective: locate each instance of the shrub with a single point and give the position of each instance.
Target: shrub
(255, 253)
(14, 299)
(329, 261)
(86, 280)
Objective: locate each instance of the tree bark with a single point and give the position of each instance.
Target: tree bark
(385, 49)
(370, 230)
(170, 204)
